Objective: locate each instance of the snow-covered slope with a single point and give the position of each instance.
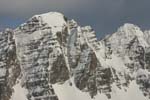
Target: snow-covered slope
(53, 58)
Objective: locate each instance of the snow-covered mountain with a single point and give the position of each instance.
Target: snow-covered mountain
(53, 58)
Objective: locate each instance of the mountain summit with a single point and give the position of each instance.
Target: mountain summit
(50, 57)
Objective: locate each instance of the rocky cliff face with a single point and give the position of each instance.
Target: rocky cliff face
(53, 58)
(9, 65)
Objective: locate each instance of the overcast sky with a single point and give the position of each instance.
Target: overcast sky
(105, 16)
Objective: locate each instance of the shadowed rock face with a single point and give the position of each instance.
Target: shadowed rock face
(43, 52)
(59, 72)
(9, 65)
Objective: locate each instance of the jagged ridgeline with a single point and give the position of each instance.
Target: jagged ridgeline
(53, 58)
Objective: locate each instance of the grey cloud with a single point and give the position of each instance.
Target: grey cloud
(25, 7)
(28, 7)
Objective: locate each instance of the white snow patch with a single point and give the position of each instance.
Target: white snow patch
(19, 92)
(116, 63)
(54, 20)
(133, 93)
(67, 92)
(2, 72)
(142, 74)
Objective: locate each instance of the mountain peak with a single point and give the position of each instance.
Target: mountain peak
(53, 19)
(125, 35)
(127, 31)
(52, 58)
(130, 25)
(130, 29)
